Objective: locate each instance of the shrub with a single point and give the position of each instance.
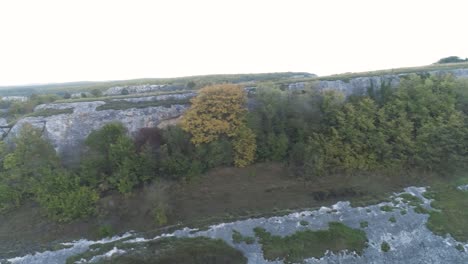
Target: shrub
(159, 214)
(385, 247)
(111, 159)
(105, 231)
(124, 91)
(61, 195)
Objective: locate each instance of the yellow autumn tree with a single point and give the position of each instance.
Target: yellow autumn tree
(244, 147)
(220, 110)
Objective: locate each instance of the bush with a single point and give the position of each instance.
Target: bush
(61, 195)
(9, 198)
(105, 231)
(159, 214)
(112, 160)
(96, 93)
(124, 91)
(385, 247)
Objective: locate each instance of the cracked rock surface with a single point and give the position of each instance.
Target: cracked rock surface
(67, 132)
(409, 239)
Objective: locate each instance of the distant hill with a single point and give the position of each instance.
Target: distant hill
(195, 81)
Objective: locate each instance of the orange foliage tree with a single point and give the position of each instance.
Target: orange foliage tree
(220, 110)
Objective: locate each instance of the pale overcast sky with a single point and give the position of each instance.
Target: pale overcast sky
(60, 41)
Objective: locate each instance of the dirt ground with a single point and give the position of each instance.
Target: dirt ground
(222, 194)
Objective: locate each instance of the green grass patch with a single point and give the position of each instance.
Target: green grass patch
(105, 231)
(421, 210)
(452, 217)
(121, 105)
(410, 199)
(387, 208)
(200, 250)
(385, 247)
(364, 224)
(306, 244)
(392, 219)
(304, 223)
(237, 237)
(99, 249)
(403, 212)
(51, 112)
(460, 247)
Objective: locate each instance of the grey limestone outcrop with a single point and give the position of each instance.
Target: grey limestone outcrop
(144, 88)
(360, 85)
(409, 239)
(67, 132)
(180, 96)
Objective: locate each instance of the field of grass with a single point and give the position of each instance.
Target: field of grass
(306, 244)
(452, 205)
(221, 195)
(239, 238)
(198, 250)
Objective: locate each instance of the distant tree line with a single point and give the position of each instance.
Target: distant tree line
(451, 59)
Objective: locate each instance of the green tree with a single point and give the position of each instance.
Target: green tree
(63, 198)
(30, 160)
(96, 93)
(451, 59)
(111, 160)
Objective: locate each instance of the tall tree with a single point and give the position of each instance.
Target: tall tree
(220, 110)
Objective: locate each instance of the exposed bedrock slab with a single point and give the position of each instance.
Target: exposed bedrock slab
(67, 132)
(360, 85)
(409, 239)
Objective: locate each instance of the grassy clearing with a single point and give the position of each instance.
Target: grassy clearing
(421, 210)
(198, 250)
(453, 215)
(98, 249)
(387, 208)
(237, 237)
(168, 250)
(306, 244)
(121, 105)
(220, 195)
(410, 199)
